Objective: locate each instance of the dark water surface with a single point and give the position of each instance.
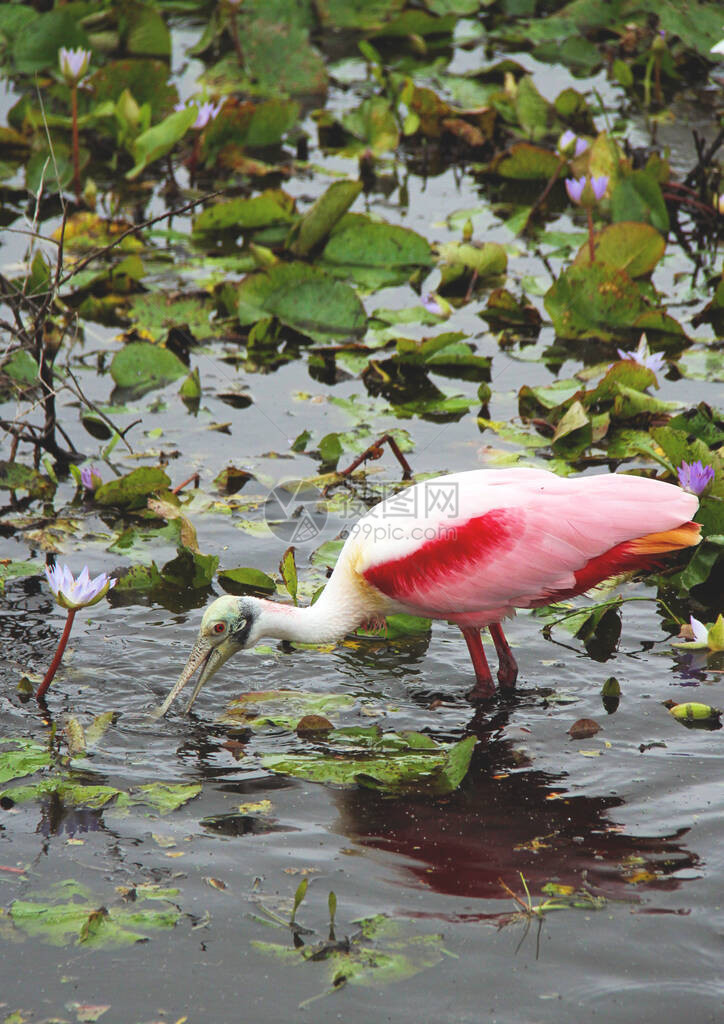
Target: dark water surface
(633, 815)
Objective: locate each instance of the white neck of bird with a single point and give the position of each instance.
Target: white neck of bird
(331, 617)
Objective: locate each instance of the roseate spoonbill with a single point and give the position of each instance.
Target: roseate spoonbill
(470, 548)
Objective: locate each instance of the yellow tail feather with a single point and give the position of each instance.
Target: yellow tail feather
(684, 536)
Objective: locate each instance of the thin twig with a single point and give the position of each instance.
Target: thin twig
(133, 229)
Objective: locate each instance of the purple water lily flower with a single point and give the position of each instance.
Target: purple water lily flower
(90, 478)
(655, 361)
(694, 477)
(574, 188)
(206, 111)
(599, 186)
(571, 144)
(73, 63)
(77, 593)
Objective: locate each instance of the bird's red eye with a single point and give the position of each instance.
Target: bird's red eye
(219, 627)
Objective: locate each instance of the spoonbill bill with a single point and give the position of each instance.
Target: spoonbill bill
(470, 548)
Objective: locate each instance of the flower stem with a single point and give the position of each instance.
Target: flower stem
(591, 249)
(76, 168)
(57, 657)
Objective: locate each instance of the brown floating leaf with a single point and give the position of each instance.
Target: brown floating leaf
(583, 728)
(308, 725)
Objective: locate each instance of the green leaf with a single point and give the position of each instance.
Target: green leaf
(433, 771)
(279, 58)
(24, 758)
(282, 708)
(14, 570)
(638, 197)
(593, 301)
(374, 253)
(244, 581)
(272, 207)
(288, 569)
(628, 245)
(21, 367)
(305, 299)
(190, 569)
(525, 162)
(132, 489)
(14, 476)
(37, 49)
(140, 367)
(321, 218)
(88, 924)
(159, 140)
(373, 125)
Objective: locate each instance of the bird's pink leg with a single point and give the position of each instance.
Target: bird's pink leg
(484, 685)
(507, 665)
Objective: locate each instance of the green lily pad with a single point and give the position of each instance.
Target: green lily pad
(156, 313)
(638, 197)
(628, 245)
(140, 367)
(25, 757)
(270, 208)
(282, 708)
(373, 253)
(10, 570)
(305, 299)
(89, 924)
(381, 951)
(431, 771)
(593, 301)
(14, 476)
(526, 162)
(131, 490)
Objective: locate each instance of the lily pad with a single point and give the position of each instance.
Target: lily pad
(305, 299)
(373, 253)
(132, 490)
(282, 708)
(430, 771)
(89, 924)
(140, 367)
(628, 245)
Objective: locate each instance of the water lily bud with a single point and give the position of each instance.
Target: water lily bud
(73, 64)
(692, 712)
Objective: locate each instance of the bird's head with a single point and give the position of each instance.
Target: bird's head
(228, 626)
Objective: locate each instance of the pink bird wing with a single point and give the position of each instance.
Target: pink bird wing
(517, 538)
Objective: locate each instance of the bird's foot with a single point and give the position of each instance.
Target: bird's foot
(484, 689)
(375, 624)
(507, 675)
